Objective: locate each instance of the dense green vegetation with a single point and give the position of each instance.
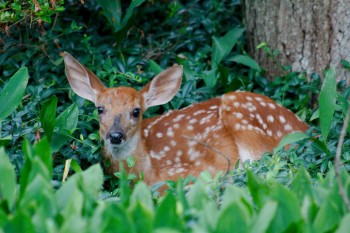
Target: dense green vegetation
(47, 132)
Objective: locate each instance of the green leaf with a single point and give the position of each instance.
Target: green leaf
(66, 124)
(113, 12)
(154, 67)
(4, 141)
(48, 116)
(344, 225)
(258, 189)
(111, 217)
(302, 185)
(88, 181)
(234, 218)
(245, 60)
(142, 217)
(327, 102)
(288, 214)
(11, 95)
(166, 215)
(289, 139)
(315, 115)
(20, 222)
(40, 195)
(26, 169)
(223, 46)
(210, 78)
(142, 194)
(264, 218)
(197, 196)
(345, 64)
(8, 179)
(42, 150)
(68, 119)
(328, 216)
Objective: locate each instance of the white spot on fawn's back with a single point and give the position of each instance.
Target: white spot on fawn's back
(270, 118)
(282, 119)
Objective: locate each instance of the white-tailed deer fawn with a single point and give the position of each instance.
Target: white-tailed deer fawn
(239, 125)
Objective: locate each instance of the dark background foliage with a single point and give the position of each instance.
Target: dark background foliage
(159, 34)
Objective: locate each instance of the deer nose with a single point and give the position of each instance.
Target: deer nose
(115, 137)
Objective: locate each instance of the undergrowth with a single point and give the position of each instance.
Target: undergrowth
(210, 44)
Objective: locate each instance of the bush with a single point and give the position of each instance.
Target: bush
(287, 190)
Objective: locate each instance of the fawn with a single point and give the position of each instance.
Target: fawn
(207, 135)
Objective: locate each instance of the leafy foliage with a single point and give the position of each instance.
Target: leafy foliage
(77, 204)
(44, 124)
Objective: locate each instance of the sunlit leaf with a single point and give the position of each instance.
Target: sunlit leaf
(11, 95)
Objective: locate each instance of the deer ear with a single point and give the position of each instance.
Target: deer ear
(163, 87)
(83, 82)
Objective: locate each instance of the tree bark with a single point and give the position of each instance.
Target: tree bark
(310, 35)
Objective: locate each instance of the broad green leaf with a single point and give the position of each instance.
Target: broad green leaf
(234, 218)
(302, 185)
(315, 115)
(48, 116)
(210, 78)
(197, 196)
(112, 9)
(20, 222)
(344, 225)
(116, 219)
(66, 124)
(8, 179)
(142, 217)
(89, 182)
(245, 60)
(3, 220)
(166, 215)
(264, 218)
(142, 194)
(4, 141)
(235, 194)
(289, 139)
(68, 119)
(288, 214)
(40, 195)
(327, 102)
(154, 67)
(258, 189)
(223, 46)
(42, 149)
(166, 230)
(129, 12)
(328, 216)
(11, 95)
(26, 169)
(73, 216)
(188, 72)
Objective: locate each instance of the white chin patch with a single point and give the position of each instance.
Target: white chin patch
(123, 150)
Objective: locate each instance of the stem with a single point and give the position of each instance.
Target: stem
(342, 191)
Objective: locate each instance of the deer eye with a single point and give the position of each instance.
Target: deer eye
(136, 112)
(100, 110)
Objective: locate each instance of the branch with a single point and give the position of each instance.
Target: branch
(342, 191)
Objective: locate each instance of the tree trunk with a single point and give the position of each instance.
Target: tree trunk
(310, 35)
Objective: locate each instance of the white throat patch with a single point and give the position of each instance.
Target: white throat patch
(121, 152)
